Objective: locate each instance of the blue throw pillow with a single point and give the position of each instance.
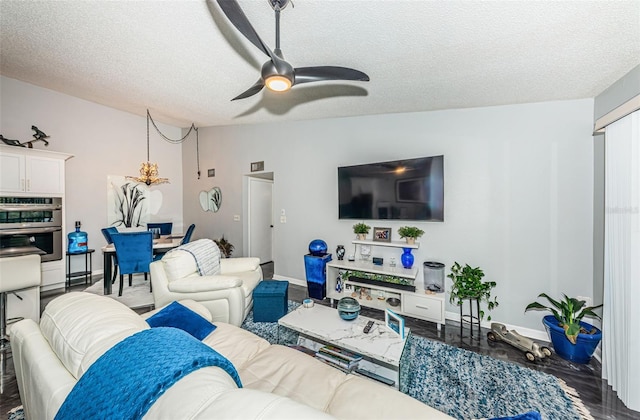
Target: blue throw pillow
(178, 316)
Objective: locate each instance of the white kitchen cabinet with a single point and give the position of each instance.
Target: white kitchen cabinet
(31, 171)
(54, 275)
(13, 172)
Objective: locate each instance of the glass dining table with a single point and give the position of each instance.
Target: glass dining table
(160, 245)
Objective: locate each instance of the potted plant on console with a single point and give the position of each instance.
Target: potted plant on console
(468, 285)
(361, 229)
(572, 338)
(410, 233)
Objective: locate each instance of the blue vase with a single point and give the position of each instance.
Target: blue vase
(407, 258)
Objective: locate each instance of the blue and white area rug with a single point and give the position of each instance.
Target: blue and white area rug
(464, 384)
(16, 413)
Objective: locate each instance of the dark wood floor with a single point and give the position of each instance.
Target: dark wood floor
(601, 401)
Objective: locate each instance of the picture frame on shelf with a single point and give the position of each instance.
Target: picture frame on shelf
(394, 322)
(382, 234)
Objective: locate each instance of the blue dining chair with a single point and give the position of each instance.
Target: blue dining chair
(134, 251)
(107, 233)
(185, 239)
(187, 236)
(165, 227)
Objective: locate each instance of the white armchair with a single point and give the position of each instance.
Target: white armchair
(228, 295)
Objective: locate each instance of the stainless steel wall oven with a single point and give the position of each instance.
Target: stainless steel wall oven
(31, 225)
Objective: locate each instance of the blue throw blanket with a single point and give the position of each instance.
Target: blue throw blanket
(125, 381)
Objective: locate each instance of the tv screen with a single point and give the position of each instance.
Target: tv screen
(410, 189)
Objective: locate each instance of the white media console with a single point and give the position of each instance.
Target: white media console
(412, 299)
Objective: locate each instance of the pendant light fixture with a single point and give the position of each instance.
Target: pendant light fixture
(148, 170)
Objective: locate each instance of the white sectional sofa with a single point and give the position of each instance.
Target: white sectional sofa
(278, 382)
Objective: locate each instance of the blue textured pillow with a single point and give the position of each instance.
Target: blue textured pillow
(179, 316)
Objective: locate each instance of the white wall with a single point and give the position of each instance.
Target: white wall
(104, 142)
(518, 190)
(518, 182)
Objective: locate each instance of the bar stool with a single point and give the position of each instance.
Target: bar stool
(16, 273)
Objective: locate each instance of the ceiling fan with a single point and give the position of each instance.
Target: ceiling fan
(277, 74)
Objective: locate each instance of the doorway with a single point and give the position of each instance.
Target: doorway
(260, 217)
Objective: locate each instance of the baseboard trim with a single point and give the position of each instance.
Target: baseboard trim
(291, 280)
(527, 332)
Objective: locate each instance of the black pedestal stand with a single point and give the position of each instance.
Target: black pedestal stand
(470, 318)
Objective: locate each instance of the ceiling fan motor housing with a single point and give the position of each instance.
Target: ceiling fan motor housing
(283, 70)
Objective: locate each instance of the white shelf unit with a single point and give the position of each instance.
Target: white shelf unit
(393, 244)
(418, 304)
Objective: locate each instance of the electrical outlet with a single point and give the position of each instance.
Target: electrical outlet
(283, 219)
(236, 217)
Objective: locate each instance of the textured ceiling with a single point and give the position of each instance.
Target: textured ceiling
(184, 61)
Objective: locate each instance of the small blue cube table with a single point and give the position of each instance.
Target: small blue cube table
(270, 300)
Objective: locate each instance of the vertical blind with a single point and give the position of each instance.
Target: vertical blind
(621, 312)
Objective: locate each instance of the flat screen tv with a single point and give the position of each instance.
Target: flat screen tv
(410, 189)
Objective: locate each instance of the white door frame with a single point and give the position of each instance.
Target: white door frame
(261, 179)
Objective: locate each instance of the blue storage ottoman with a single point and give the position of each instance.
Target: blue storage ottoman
(270, 300)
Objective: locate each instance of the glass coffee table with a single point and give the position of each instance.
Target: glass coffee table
(381, 348)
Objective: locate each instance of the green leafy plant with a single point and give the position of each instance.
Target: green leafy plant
(225, 246)
(568, 312)
(410, 232)
(361, 228)
(346, 274)
(468, 284)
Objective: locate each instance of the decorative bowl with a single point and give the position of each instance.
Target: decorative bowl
(393, 301)
(348, 308)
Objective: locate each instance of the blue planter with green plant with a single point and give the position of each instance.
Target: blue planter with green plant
(572, 338)
(582, 350)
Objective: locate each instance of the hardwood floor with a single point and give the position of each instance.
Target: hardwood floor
(599, 398)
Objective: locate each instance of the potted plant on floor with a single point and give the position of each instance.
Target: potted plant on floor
(225, 246)
(410, 233)
(572, 338)
(468, 284)
(361, 229)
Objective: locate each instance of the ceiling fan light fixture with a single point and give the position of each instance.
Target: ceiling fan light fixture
(278, 83)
